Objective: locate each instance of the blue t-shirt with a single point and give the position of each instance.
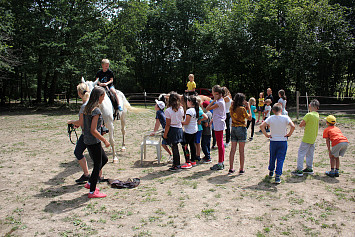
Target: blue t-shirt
(200, 113)
(161, 116)
(252, 111)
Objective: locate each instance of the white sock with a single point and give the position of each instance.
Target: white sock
(91, 192)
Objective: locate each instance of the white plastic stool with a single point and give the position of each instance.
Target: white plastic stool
(149, 140)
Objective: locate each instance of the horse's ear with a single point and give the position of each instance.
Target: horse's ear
(95, 82)
(82, 80)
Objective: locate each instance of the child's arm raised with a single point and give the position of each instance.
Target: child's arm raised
(247, 105)
(212, 105)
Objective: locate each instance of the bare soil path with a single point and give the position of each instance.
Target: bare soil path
(39, 196)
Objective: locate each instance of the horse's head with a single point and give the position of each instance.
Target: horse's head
(90, 84)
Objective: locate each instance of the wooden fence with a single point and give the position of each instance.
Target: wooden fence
(142, 98)
(328, 104)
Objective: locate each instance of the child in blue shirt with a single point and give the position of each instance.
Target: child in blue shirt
(253, 109)
(161, 120)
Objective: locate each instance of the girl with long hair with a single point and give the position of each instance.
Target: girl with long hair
(173, 129)
(239, 113)
(92, 139)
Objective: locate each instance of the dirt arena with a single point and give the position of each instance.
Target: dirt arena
(39, 196)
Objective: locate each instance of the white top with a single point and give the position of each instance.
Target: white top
(268, 110)
(219, 115)
(191, 128)
(228, 104)
(283, 103)
(278, 127)
(175, 117)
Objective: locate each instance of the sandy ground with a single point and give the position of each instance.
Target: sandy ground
(39, 196)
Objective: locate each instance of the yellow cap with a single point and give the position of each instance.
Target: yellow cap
(331, 119)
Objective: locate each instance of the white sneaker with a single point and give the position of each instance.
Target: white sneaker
(226, 144)
(170, 159)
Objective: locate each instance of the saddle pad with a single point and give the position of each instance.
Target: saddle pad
(130, 183)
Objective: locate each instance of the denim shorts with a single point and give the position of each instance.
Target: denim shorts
(198, 137)
(239, 134)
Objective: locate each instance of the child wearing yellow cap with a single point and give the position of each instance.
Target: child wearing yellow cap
(339, 143)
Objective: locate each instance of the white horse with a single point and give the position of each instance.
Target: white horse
(107, 114)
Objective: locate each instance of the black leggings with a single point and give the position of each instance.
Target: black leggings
(228, 129)
(99, 157)
(252, 126)
(189, 140)
(176, 154)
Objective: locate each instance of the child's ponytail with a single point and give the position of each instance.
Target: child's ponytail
(196, 105)
(282, 94)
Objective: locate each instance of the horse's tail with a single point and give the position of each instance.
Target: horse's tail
(127, 105)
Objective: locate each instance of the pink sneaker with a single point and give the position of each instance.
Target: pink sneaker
(186, 166)
(96, 194)
(87, 185)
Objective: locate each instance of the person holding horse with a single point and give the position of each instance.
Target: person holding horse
(93, 138)
(105, 77)
(84, 94)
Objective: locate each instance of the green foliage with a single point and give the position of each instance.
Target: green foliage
(304, 45)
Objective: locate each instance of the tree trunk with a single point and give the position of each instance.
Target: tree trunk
(39, 79)
(53, 88)
(45, 88)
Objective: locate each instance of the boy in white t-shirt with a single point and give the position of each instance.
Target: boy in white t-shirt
(278, 139)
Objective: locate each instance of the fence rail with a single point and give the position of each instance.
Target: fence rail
(330, 107)
(142, 98)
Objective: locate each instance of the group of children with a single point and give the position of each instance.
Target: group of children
(190, 122)
(182, 127)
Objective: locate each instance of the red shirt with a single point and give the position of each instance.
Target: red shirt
(334, 134)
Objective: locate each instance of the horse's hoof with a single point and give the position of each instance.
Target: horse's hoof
(115, 160)
(123, 148)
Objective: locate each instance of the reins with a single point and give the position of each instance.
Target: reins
(71, 128)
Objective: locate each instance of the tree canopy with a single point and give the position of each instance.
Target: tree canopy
(245, 45)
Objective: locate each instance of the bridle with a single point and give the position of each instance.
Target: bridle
(71, 129)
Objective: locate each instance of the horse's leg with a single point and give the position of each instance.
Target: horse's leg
(110, 127)
(123, 128)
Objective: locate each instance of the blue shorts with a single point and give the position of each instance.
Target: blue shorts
(198, 137)
(239, 134)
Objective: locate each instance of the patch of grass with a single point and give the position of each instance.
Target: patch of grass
(298, 201)
(209, 213)
(160, 212)
(143, 233)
